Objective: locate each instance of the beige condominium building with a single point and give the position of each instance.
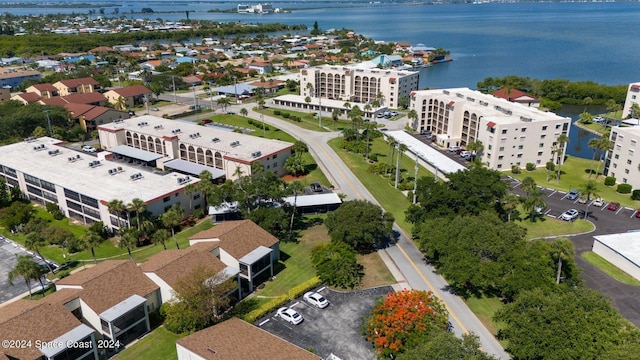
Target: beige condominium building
(192, 148)
(633, 97)
(358, 85)
(82, 185)
(623, 159)
(511, 133)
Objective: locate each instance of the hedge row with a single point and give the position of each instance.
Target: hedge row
(282, 299)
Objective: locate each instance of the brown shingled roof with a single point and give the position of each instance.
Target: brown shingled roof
(238, 238)
(44, 87)
(172, 265)
(236, 339)
(29, 97)
(109, 283)
(40, 321)
(133, 90)
(77, 82)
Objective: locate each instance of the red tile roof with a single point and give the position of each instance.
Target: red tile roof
(77, 82)
(133, 90)
(511, 94)
(491, 124)
(45, 87)
(451, 103)
(29, 97)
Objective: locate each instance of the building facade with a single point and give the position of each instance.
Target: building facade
(82, 185)
(633, 97)
(223, 153)
(512, 134)
(358, 85)
(622, 161)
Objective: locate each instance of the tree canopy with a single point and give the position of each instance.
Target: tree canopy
(440, 345)
(336, 265)
(361, 224)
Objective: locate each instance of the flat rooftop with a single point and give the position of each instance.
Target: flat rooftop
(494, 109)
(625, 244)
(330, 103)
(427, 153)
(202, 136)
(78, 176)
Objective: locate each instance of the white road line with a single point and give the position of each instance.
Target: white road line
(264, 322)
(633, 213)
(619, 210)
(550, 195)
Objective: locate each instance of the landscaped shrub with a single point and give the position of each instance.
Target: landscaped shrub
(286, 115)
(531, 166)
(276, 112)
(609, 181)
(373, 157)
(293, 293)
(515, 169)
(635, 195)
(624, 188)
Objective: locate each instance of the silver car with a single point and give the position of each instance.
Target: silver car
(569, 215)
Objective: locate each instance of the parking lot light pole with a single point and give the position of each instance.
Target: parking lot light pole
(415, 182)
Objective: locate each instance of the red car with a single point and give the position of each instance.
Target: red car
(206, 121)
(638, 213)
(613, 206)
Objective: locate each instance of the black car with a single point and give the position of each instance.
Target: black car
(316, 187)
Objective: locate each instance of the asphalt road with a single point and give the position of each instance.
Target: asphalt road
(404, 254)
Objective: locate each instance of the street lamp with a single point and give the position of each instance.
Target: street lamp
(264, 131)
(46, 111)
(415, 182)
(235, 88)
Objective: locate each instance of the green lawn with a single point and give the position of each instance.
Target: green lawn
(610, 269)
(307, 119)
(485, 309)
(159, 344)
(574, 174)
(546, 226)
(381, 188)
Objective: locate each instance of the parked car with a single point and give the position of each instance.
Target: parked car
(131, 113)
(573, 194)
(599, 202)
(289, 315)
(465, 153)
(88, 149)
(599, 120)
(316, 299)
(394, 113)
(316, 187)
(454, 148)
(638, 213)
(380, 115)
(539, 208)
(206, 121)
(613, 206)
(153, 108)
(569, 215)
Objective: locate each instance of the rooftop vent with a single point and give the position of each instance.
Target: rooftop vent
(158, 127)
(215, 140)
(30, 139)
(143, 123)
(94, 163)
(256, 154)
(184, 180)
(235, 143)
(54, 152)
(39, 147)
(135, 176)
(176, 131)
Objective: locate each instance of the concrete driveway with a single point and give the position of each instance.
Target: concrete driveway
(335, 329)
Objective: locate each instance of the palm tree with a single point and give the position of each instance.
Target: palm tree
(586, 101)
(590, 188)
(563, 249)
(367, 109)
(347, 106)
(28, 269)
(562, 140)
(90, 240)
(171, 219)
(160, 237)
(585, 118)
(475, 147)
(401, 149)
(528, 184)
(117, 208)
(335, 115)
(605, 145)
(128, 239)
(509, 203)
(308, 101)
(138, 206)
(295, 187)
(595, 145)
(550, 166)
(392, 146)
(121, 103)
(32, 242)
(413, 115)
(223, 102)
(533, 202)
(243, 112)
(188, 190)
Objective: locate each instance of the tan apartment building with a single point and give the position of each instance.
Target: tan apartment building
(44, 90)
(192, 148)
(77, 86)
(633, 97)
(131, 96)
(358, 85)
(512, 133)
(623, 159)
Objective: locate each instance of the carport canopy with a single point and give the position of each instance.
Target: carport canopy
(134, 153)
(425, 152)
(193, 168)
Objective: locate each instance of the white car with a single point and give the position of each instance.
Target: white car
(316, 300)
(569, 215)
(599, 202)
(454, 148)
(465, 154)
(89, 149)
(289, 315)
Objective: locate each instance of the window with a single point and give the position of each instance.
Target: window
(499, 166)
(523, 129)
(500, 157)
(633, 143)
(544, 128)
(626, 171)
(629, 161)
(617, 156)
(624, 180)
(489, 148)
(539, 153)
(274, 156)
(519, 156)
(615, 165)
(541, 145)
(543, 136)
(501, 148)
(196, 197)
(520, 147)
(504, 131)
(558, 126)
(275, 164)
(538, 162)
(166, 199)
(631, 151)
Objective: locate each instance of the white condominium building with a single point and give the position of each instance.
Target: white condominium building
(633, 97)
(192, 148)
(358, 85)
(511, 133)
(622, 161)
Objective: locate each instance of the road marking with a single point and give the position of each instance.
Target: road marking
(633, 213)
(550, 195)
(619, 210)
(264, 322)
(433, 289)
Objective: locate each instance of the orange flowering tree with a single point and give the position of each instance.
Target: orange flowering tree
(401, 319)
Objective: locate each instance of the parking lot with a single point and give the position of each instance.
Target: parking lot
(335, 329)
(9, 252)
